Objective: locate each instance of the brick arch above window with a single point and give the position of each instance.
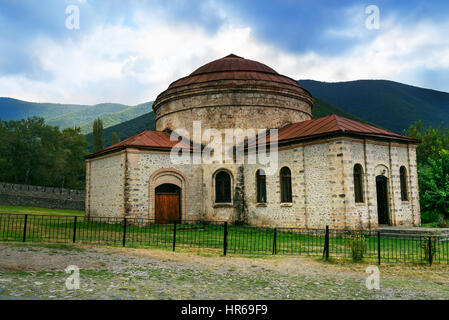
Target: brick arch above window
(223, 186)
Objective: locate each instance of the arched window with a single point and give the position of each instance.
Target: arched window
(286, 185)
(358, 183)
(261, 185)
(403, 174)
(222, 187)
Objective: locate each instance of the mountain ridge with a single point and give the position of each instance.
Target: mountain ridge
(387, 103)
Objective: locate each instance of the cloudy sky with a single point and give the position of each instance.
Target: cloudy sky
(129, 51)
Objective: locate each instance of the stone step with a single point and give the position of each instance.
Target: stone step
(409, 232)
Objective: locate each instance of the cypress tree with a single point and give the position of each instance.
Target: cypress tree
(98, 143)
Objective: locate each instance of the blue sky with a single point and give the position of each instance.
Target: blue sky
(129, 51)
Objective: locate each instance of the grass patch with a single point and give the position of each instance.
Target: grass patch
(430, 225)
(54, 246)
(40, 211)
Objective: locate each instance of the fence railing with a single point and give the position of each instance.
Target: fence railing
(364, 245)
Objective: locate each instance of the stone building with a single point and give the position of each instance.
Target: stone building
(329, 171)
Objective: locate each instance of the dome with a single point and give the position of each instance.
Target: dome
(233, 67)
(232, 93)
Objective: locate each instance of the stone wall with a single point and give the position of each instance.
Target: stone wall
(385, 158)
(105, 186)
(313, 176)
(230, 104)
(154, 168)
(323, 185)
(45, 197)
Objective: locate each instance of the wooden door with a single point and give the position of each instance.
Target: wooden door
(382, 200)
(167, 204)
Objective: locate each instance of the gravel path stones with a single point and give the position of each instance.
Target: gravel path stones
(38, 271)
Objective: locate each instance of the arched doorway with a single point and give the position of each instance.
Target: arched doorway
(167, 204)
(180, 188)
(382, 199)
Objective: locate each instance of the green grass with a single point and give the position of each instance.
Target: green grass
(40, 211)
(241, 240)
(430, 225)
(55, 246)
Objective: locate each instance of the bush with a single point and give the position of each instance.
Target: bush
(442, 222)
(428, 216)
(425, 247)
(357, 243)
(433, 170)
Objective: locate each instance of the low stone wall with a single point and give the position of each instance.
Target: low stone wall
(45, 197)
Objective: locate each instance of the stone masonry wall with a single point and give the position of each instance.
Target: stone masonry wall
(323, 186)
(375, 158)
(45, 197)
(145, 164)
(229, 104)
(105, 186)
(311, 205)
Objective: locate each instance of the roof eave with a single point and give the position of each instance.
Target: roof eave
(122, 147)
(349, 133)
(290, 141)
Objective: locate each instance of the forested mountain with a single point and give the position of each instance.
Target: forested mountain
(71, 115)
(14, 109)
(126, 129)
(120, 117)
(86, 115)
(389, 104)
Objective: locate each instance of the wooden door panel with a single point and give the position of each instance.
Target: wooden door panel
(382, 201)
(166, 208)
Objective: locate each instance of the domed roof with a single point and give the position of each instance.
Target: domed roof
(233, 67)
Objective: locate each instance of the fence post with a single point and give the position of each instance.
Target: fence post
(174, 236)
(326, 243)
(274, 240)
(225, 238)
(74, 229)
(124, 232)
(25, 228)
(378, 247)
(430, 250)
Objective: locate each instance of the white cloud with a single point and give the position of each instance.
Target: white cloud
(130, 65)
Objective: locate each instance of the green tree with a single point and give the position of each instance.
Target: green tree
(433, 170)
(433, 140)
(114, 138)
(98, 143)
(74, 150)
(434, 186)
(34, 153)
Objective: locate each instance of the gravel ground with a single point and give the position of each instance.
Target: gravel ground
(37, 272)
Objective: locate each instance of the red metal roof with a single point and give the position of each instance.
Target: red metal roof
(315, 128)
(331, 125)
(148, 139)
(233, 67)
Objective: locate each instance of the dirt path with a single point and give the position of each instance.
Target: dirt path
(28, 271)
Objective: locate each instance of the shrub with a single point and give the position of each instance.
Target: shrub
(425, 247)
(357, 243)
(442, 222)
(428, 216)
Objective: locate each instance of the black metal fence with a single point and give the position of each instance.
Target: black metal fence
(355, 244)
